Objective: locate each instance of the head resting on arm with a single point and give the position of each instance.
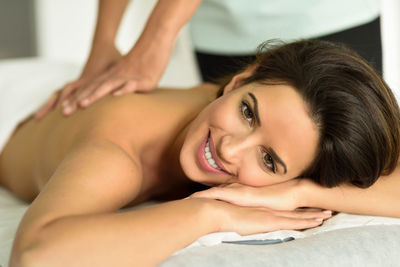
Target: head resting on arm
(354, 109)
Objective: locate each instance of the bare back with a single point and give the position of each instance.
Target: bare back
(144, 125)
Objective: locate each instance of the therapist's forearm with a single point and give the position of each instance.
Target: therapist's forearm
(381, 199)
(169, 16)
(109, 16)
(165, 22)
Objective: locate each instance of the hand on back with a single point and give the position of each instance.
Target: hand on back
(108, 72)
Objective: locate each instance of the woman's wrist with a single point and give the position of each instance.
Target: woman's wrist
(305, 195)
(210, 213)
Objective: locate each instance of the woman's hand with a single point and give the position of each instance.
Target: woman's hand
(252, 220)
(283, 196)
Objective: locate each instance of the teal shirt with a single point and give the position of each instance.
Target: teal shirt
(236, 27)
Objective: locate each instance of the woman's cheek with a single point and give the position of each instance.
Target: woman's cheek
(224, 115)
(249, 175)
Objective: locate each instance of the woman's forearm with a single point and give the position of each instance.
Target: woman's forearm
(132, 238)
(381, 199)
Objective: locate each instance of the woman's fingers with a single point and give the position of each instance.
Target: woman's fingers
(49, 105)
(247, 221)
(288, 223)
(304, 214)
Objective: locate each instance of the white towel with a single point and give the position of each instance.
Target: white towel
(339, 221)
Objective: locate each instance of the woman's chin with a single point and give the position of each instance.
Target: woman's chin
(202, 181)
(209, 184)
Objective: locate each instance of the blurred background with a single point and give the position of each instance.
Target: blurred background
(61, 30)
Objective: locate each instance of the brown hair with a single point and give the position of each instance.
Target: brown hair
(354, 109)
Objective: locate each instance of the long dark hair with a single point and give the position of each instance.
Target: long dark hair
(354, 109)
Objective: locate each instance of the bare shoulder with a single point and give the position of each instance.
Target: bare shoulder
(95, 177)
(129, 119)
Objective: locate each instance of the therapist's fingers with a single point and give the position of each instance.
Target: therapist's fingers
(68, 91)
(100, 91)
(49, 105)
(129, 87)
(141, 85)
(73, 101)
(69, 106)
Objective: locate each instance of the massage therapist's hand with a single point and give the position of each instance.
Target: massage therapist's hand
(101, 59)
(139, 70)
(288, 195)
(252, 220)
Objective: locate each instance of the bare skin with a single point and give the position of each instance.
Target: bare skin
(123, 151)
(113, 155)
(46, 142)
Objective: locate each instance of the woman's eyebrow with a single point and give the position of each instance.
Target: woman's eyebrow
(278, 159)
(272, 151)
(255, 108)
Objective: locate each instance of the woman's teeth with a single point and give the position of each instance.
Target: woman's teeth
(209, 158)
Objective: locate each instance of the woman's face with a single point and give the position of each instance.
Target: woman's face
(255, 135)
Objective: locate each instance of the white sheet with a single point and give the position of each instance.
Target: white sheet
(25, 84)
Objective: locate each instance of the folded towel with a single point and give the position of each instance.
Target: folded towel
(339, 221)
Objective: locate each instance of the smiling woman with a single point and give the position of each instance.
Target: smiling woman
(301, 110)
(277, 148)
(342, 93)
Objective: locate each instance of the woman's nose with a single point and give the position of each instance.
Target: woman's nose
(232, 148)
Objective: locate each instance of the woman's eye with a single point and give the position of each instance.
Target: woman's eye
(268, 161)
(246, 111)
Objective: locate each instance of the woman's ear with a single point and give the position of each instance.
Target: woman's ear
(238, 79)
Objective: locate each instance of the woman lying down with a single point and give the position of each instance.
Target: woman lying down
(309, 124)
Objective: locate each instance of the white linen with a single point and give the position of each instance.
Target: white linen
(24, 85)
(339, 221)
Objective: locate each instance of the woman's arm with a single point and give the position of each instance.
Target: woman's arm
(132, 238)
(381, 199)
(74, 221)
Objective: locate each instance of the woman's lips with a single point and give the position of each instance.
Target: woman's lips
(214, 154)
(203, 160)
